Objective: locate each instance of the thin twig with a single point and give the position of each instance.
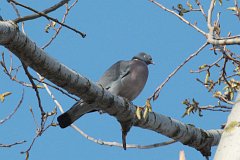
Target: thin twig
(46, 11)
(157, 91)
(237, 8)
(18, 14)
(201, 8)
(57, 88)
(63, 20)
(220, 108)
(49, 18)
(9, 72)
(14, 111)
(34, 87)
(208, 66)
(101, 142)
(180, 17)
(13, 144)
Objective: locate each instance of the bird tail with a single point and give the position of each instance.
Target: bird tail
(76, 111)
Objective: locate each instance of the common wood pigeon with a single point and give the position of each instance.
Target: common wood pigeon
(124, 78)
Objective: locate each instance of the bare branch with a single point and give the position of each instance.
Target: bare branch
(201, 9)
(63, 20)
(180, 17)
(34, 87)
(101, 142)
(9, 72)
(157, 91)
(46, 11)
(14, 111)
(209, 18)
(57, 88)
(13, 144)
(49, 18)
(228, 41)
(18, 14)
(220, 108)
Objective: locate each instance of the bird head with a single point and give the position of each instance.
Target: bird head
(144, 57)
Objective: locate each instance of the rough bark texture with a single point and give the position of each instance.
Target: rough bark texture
(74, 83)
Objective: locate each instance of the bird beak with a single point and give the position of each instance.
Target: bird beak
(152, 63)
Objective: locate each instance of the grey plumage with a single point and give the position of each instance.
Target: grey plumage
(124, 78)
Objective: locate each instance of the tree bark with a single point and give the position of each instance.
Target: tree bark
(123, 110)
(230, 141)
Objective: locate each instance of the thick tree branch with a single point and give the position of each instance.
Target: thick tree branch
(229, 145)
(121, 109)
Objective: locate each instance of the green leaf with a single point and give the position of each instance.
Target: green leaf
(179, 6)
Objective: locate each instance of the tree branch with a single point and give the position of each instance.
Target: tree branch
(157, 91)
(229, 144)
(121, 109)
(180, 17)
(49, 18)
(13, 144)
(46, 11)
(14, 111)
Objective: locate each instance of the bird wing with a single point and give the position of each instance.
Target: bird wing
(116, 72)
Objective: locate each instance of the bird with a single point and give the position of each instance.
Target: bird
(124, 78)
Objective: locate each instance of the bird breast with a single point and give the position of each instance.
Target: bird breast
(135, 81)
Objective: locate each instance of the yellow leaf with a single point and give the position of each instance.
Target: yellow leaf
(207, 77)
(54, 124)
(217, 94)
(203, 66)
(189, 5)
(145, 114)
(231, 95)
(3, 95)
(232, 8)
(148, 105)
(53, 23)
(39, 86)
(138, 112)
(27, 155)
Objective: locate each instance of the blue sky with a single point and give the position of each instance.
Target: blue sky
(115, 30)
